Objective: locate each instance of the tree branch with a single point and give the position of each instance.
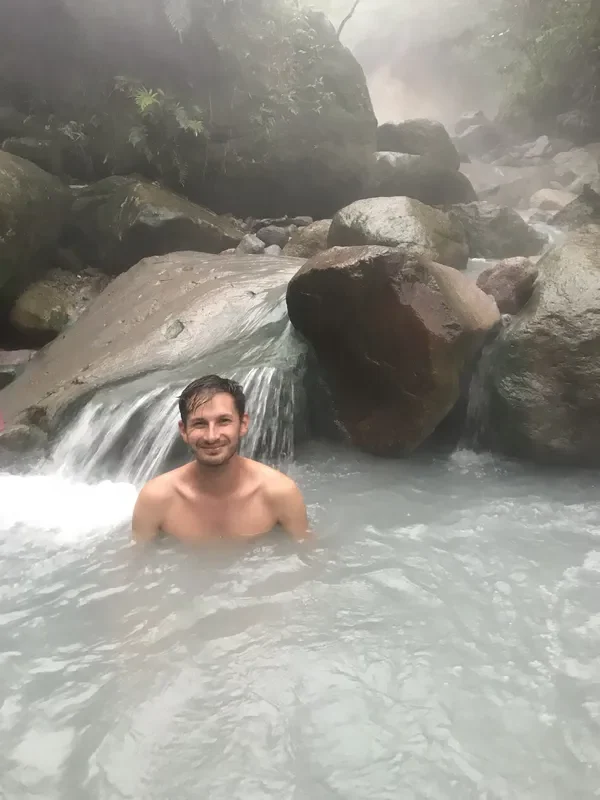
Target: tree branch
(347, 18)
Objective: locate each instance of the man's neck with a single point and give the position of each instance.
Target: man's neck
(221, 480)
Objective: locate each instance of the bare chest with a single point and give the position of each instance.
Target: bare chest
(196, 518)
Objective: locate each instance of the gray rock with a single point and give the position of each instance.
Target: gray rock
(552, 199)
(272, 234)
(300, 222)
(510, 283)
(478, 139)
(33, 207)
(580, 161)
(496, 231)
(469, 119)
(398, 175)
(583, 211)
(21, 445)
(48, 305)
(273, 250)
(309, 241)
(543, 386)
(119, 220)
(12, 362)
(393, 336)
(538, 149)
(419, 137)
(42, 152)
(251, 245)
(122, 333)
(417, 229)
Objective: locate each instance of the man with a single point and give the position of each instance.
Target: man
(220, 493)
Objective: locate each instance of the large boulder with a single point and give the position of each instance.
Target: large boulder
(41, 152)
(478, 139)
(417, 229)
(468, 119)
(497, 232)
(254, 108)
(393, 335)
(120, 220)
(510, 283)
(419, 137)
(580, 161)
(309, 241)
(33, 205)
(396, 174)
(513, 186)
(48, 305)
(164, 312)
(543, 384)
(583, 211)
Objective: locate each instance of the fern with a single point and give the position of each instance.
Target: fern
(179, 14)
(161, 121)
(145, 99)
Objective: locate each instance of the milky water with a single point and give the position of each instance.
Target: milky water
(441, 639)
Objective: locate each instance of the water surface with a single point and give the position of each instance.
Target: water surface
(441, 640)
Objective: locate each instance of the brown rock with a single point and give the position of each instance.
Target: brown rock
(510, 283)
(309, 241)
(393, 335)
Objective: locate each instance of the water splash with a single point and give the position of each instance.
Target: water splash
(478, 412)
(129, 433)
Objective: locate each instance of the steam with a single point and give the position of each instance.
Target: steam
(416, 55)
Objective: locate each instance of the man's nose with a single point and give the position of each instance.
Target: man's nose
(212, 433)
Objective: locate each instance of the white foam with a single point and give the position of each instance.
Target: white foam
(63, 510)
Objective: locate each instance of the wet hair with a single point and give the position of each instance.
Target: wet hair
(203, 389)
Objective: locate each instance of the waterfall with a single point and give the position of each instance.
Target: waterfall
(477, 416)
(130, 432)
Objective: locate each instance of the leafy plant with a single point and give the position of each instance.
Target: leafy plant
(162, 127)
(555, 47)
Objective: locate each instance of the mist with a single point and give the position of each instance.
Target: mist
(418, 58)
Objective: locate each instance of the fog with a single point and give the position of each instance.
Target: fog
(421, 59)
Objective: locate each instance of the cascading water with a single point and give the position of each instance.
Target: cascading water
(440, 640)
(130, 432)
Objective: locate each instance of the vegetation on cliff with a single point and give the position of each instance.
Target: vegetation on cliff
(554, 72)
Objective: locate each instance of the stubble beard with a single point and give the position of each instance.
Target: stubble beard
(222, 460)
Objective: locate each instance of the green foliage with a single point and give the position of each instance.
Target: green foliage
(555, 49)
(160, 127)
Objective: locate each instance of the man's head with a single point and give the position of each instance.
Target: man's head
(213, 419)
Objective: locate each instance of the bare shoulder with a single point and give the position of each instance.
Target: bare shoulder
(274, 483)
(161, 488)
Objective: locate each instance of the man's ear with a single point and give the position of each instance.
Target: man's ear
(244, 425)
(182, 431)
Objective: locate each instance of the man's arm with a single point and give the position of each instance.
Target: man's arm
(147, 513)
(290, 509)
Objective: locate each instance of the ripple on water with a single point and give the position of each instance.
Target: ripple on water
(440, 641)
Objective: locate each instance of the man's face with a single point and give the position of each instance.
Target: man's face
(213, 430)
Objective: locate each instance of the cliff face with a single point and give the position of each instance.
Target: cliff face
(248, 107)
